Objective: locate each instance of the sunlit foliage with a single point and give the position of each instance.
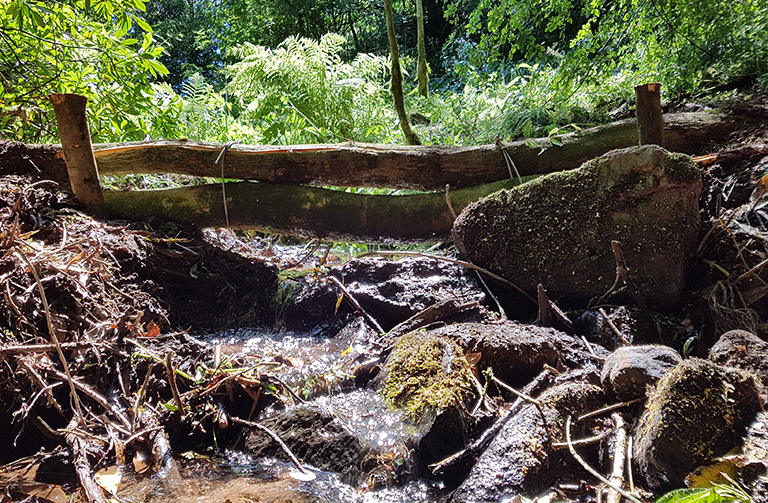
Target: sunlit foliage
(80, 47)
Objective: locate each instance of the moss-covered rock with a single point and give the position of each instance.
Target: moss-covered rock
(557, 229)
(698, 411)
(425, 374)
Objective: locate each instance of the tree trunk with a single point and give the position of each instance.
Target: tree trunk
(418, 168)
(421, 69)
(303, 211)
(396, 86)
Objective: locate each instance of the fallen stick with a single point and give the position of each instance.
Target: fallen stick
(476, 447)
(77, 445)
(619, 453)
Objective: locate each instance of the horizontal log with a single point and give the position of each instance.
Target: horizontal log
(303, 211)
(405, 167)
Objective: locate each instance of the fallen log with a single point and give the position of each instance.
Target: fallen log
(402, 167)
(303, 211)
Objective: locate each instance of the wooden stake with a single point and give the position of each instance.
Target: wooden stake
(78, 154)
(648, 112)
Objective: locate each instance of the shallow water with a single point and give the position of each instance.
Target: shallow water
(314, 367)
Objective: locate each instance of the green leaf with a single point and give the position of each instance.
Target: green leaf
(557, 141)
(143, 24)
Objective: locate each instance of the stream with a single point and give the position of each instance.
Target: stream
(313, 368)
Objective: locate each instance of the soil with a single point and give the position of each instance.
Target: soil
(99, 285)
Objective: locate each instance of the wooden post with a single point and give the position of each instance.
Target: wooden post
(78, 154)
(648, 112)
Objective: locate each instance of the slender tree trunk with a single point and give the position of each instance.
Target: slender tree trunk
(396, 86)
(422, 65)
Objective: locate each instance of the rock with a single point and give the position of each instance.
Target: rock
(520, 460)
(630, 370)
(315, 436)
(743, 350)
(426, 374)
(697, 412)
(518, 352)
(390, 291)
(557, 229)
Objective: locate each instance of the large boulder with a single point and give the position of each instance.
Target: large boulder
(557, 229)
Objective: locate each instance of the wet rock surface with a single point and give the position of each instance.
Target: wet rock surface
(697, 412)
(629, 371)
(391, 291)
(314, 436)
(520, 459)
(557, 229)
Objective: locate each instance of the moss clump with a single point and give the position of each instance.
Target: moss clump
(426, 372)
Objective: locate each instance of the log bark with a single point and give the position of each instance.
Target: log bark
(78, 154)
(403, 167)
(650, 122)
(303, 211)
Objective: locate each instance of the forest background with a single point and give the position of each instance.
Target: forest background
(315, 71)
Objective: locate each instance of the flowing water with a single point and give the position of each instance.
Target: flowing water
(314, 367)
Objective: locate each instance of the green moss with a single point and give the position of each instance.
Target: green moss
(427, 372)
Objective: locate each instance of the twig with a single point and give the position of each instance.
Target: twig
(42, 348)
(44, 387)
(583, 442)
(356, 304)
(305, 257)
(622, 275)
(485, 438)
(502, 313)
(169, 371)
(141, 396)
(752, 271)
(453, 261)
(609, 408)
(276, 438)
(619, 453)
(448, 201)
(589, 468)
(52, 333)
(93, 492)
(509, 160)
(614, 327)
(515, 392)
(224, 150)
(629, 464)
(98, 399)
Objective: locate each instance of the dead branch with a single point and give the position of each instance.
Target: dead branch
(79, 448)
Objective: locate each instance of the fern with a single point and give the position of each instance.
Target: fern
(303, 90)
